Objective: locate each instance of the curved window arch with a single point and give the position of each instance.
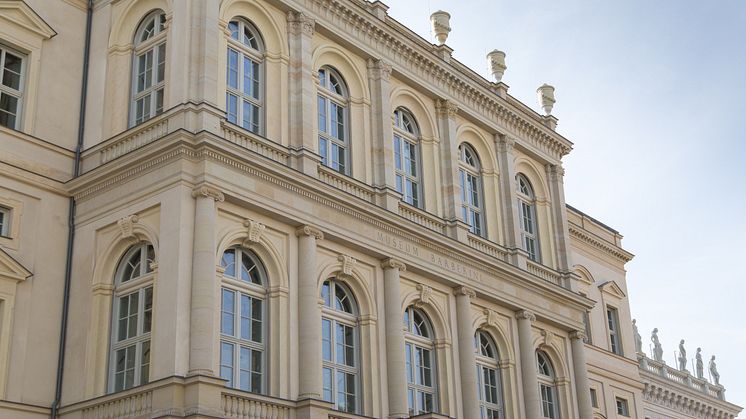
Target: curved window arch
(245, 76)
(149, 68)
(333, 101)
(488, 376)
(529, 227)
(407, 162)
(470, 177)
(242, 320)
(547, 386)
(340, 354)
(420, 362)
(132, 319)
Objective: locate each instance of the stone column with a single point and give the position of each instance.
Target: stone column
(467, 357)
(509, 201)
(582, 388)
(303, 142)
(449, 157)
(384, 178)
(395, 357)
(309, 315)
(555, 174)
(205, 304)
(529, 375)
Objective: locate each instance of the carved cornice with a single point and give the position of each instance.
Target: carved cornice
(689, 404)
(392, 263)
(620, 254)
(308, 230)
(300, 23)
(525, 315)
(205, 191)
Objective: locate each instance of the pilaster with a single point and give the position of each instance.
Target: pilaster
(555, 174)
(449, 156)
(582, 386)
(395, 357)
(309, 315)
(384, 178)
(529, 375)
(509, 200)
(467, 357)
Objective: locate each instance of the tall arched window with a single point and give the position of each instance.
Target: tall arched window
(245, 77)
(242, 320)
(547, 386)
(132, 319)
(340, 355)
(488, 376)
(420, 362)
(149, 68)
(333, 130)
(529, 230)
(471, 189)
(407, 157)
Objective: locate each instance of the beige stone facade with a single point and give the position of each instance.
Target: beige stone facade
(293, 209)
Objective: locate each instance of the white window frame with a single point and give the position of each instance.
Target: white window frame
(327, 141)
(155, 45)
(17, 94)
(406, 136)
(255, 289)
(470, 173)
(137, 285)
(622, 406)
(414, 341)
(528, 221)
(5, 220)
(549, 398)
(255, 54)
(332, 315)
(488, 364)
(615, 339)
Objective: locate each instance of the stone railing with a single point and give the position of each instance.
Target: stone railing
(136, 404)
(143, 134)
(250, 141)
(345, 183)
(422, 218)
(544, 273)
(253, 406)
(488, 247)
(683, 378)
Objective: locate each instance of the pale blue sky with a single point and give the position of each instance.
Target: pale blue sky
(653, 95)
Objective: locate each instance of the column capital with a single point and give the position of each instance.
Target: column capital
(445, 107)
(298, 23)
(464, 290)
(308, 230)
(379, 69)
(205, 191)
(525, 314)
(505, 143)
(555, 171)
(577, 334)
(392, 263)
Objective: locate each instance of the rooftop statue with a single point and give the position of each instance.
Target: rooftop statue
(657, 348)
(638, 338)
(714, 371)
(700, 365)
(682, 356)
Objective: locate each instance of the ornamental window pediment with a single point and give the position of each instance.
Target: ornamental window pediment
(20, 14)
(11, 269)
(612, 288)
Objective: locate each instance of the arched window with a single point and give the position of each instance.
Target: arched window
(245, 76)
(547, 387)
(149, 68)
(340, 355)
(488, 377)
(333, 130)
(527, 205)
(420, 362)
(407, 157)
(471, 189)
(242, 320)
(132, 319)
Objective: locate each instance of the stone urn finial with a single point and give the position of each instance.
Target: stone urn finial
(546, 98)
(496, 63)
(440, 22)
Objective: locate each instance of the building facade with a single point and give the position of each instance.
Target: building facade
(294, 209)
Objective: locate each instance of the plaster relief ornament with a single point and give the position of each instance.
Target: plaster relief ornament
(714, 371)
(638, 338)
(657, 348)
(682, 356)
(700, 365)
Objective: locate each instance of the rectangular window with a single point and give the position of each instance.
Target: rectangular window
(4, 222)
(615, 343)
(11, 87)
(594, 398)
(622, 407)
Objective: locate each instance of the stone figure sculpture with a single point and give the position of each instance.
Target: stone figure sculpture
(657, 348)
(682, 356)
(714, 371)
(638, 338)
(700, 365)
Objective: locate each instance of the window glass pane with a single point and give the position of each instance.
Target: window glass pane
(159, 101)
(334, 115)
(327, 384)
(323, 151)
(129, 366)
(148, 310)
(232, 76)
(161, 70)
(8, 110)
(226, 362)
(233, 28)
(229, 262)
(245, 369)
(255, 80)
(326, 341)
(134, 301)
(228, 312)
(340, 123)
(410, 373)
(322, 113)
(231, 105)
(248, 77)
(145, 363)
(245, 317)
(12, 71)
(256, 320)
